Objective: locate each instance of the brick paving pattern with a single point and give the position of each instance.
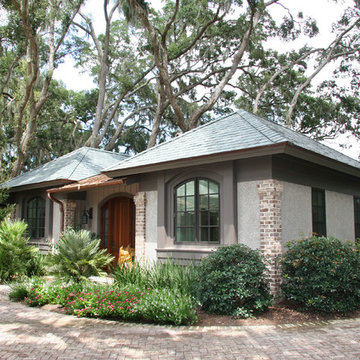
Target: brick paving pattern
(31, 333)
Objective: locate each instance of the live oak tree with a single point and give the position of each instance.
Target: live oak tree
(164, 70)
(32, 40)
(279, 85)
(122, 74)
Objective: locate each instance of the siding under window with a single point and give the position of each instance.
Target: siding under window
(318, 212)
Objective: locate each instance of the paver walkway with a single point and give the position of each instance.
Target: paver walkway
(31, 333)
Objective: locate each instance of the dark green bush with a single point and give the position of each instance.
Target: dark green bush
(232, 281)
(323, 274)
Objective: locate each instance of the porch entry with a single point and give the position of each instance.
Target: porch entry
(117, 225)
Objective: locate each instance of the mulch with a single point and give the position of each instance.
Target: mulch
(281, 313)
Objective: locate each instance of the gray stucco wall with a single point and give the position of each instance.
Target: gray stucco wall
(151, 225)
(296, 211)
(340, 215)
(248, 214)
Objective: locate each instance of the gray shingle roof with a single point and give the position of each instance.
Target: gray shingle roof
(238, 131)
(75, 166)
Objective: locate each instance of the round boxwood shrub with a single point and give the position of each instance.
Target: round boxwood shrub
(323, 274)
(232, 281)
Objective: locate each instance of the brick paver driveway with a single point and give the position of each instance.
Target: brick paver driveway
(30, 333)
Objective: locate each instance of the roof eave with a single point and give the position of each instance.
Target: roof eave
(200, 160)
(80, 187)
(311, 156)
(41, 185)
(285, 147)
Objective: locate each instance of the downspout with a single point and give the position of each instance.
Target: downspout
(53, 199)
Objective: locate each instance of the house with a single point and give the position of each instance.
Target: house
(237, 179)
(40, 210)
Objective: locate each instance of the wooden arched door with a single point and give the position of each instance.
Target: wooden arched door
(117, 225)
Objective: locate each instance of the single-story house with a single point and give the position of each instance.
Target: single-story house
(237, 179)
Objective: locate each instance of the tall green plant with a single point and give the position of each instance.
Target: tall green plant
(15, 254)
(168, 275)
(78, 256)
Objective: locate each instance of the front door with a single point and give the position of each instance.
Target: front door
(117, 225)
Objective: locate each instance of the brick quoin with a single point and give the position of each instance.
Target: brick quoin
(140, 225)
(270, 192)
(69, 213)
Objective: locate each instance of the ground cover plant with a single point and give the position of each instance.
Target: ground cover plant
(128, 303)
(322, 274)
(232, 281)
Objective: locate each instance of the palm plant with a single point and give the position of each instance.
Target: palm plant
(78, 256)
(15, 253)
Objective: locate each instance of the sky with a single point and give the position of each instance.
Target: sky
(324, 11)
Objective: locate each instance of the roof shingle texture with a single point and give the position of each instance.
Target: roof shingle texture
(77, 165)
(237, 131)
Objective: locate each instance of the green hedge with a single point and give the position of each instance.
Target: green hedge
(323, 274)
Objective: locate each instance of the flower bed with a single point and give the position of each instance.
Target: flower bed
(129, 303)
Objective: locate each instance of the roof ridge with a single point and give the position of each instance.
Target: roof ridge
(45, 164)
(103, 150)
(296, 133)
(172, 139)
(79, 162)
(252, 125)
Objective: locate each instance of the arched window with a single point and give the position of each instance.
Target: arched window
(35, 217)
(197, 211)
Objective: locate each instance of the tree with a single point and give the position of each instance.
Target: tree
(37, 30)
(124, 91)
(279, 86)
(175, 41)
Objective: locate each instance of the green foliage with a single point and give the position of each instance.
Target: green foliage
(129, 303)
(19, 290)
(5, 208)
(78, 256)
(17, 258)
(38, 264)
(232, 281)
(168, 275)
(323, 274)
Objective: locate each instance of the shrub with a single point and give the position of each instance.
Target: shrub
(323, 274)
(16, 256)
(168, 275)
(78, 256)
(232, 281)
